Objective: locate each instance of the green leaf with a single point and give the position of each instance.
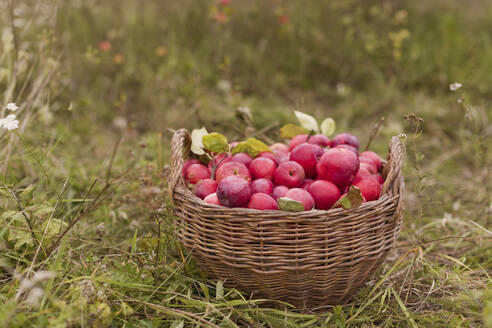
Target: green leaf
(215, 142)
(287, 204)
(328, 127)
(251, 146)
(55, 227)
(14, 216)
(134, 242)
(26, 192)
(205, 290)
(404, 309)
(352, 199)
(21, 238)
(126, 309)
(5, 193)
(219, 294)
(307, 121)
(178, 324)
(196, 141)
(42, 210)
(289, 131)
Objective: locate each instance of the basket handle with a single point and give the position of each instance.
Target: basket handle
(180, 148)
(394, 182)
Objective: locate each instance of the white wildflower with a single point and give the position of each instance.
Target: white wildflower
(12, 107)
(42, 275)
(455, 86)
(35, 296)
(100, 226)
(87, 288)
(245, 111)
(9, 123)
(101, 295)
(342, 90)
(30, 289)
(224, 86)
(446, 217)
(120, 122)
(402, 136)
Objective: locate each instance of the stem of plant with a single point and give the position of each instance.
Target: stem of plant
(374, 132)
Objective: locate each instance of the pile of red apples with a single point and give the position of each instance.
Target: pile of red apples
(311, 169)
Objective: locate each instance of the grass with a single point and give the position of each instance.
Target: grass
(86, 235)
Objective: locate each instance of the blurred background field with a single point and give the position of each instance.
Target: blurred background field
(100, 83)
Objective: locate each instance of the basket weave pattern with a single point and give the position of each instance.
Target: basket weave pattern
(308, 259)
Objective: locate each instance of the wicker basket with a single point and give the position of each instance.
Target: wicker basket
(308, 259)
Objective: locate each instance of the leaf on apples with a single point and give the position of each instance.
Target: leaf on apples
(328, 127)
(352, 199)
(252, 146)
(290, 205)
(215, 142)
(289, 131)
(307, 121)
(196, 140)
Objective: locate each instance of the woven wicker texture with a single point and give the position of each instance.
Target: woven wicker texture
(308, 259)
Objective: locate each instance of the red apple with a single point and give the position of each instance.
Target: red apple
(370, 161)
(363, 172)
(280, 149)
(324, 193)
(279, 191)
(301, 196)
(371, 167)
(234, 191)
(262, 167)
(379, 178)
(372, 155)
(187, 164)
(320, 140)
(242, 158)
(347, 139)
(338, 165)
(369, 187)
(233, 144)
(307, 183)
(297, 140)
(283, 159)
(212, 199)
(262, 185)
(270, 155)
(307, 155)
(261, 201)
(353, 149)
(197, 172)
(232, 168)
(290, 174)
(219, 160)
(205, 187)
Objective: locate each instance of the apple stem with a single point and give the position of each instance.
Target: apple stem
(311, 133)
(214, 166)
(374, 132)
